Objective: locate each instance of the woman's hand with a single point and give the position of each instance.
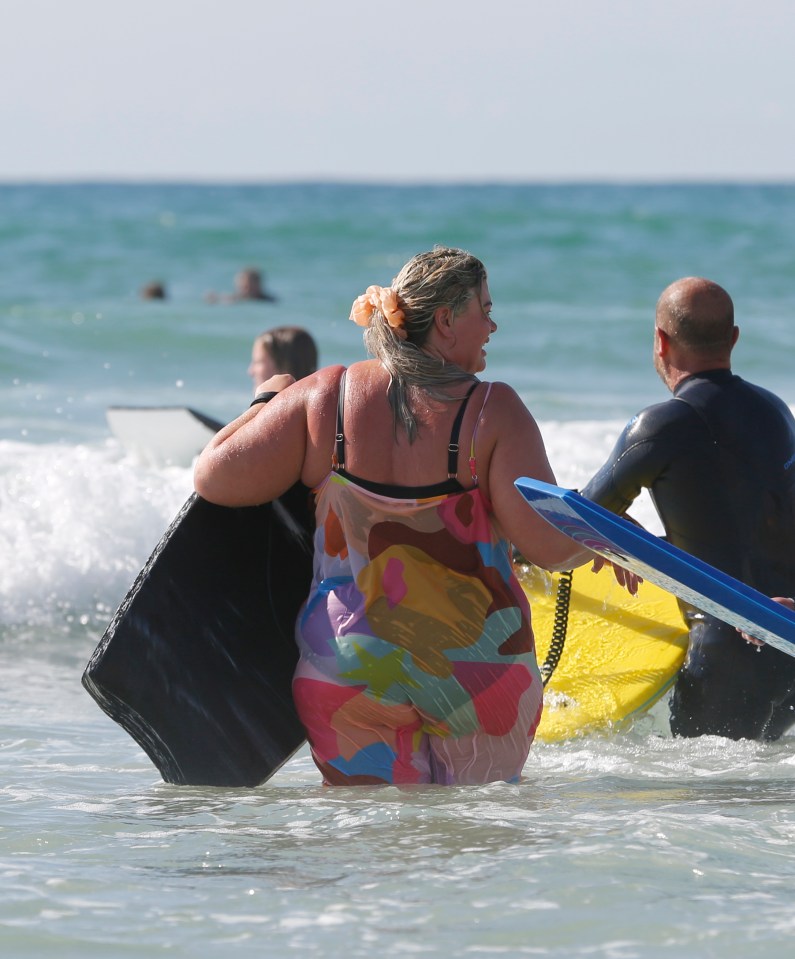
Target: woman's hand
(277, 383)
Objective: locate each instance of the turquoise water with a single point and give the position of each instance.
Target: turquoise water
(574, 272)
(630, 845)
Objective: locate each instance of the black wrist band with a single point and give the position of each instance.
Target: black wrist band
(263, 398)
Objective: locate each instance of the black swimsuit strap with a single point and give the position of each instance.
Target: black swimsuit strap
(452, 447)
(339, 439)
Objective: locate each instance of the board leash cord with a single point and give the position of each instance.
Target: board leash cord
(559, 627)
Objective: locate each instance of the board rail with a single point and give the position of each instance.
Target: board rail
(705, 587)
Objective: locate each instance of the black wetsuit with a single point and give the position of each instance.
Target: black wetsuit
(719, 461)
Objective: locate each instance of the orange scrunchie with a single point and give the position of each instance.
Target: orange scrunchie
(381, 298)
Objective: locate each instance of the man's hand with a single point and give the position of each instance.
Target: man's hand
(785, 601)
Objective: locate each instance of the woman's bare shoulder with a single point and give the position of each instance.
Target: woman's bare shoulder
(504, 390)
(326, 378)
(505, 401)
(312, 392)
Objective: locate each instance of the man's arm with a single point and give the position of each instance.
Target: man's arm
(640, 455)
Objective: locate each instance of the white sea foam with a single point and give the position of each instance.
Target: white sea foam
(78, 522)
(76, 525)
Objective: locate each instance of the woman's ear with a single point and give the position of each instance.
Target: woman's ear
(443, 320)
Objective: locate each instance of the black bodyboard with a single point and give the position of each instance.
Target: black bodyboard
(197, 663)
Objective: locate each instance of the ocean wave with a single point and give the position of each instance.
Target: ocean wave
(76, 525)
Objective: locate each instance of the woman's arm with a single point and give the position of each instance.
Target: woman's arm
(272, 446)
(518, 450)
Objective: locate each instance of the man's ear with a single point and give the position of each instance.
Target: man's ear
(663, 343)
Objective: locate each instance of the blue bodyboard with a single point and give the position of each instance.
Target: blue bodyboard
(703, 586)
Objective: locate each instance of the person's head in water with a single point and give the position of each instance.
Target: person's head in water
(249, 285)
(694, 329)
(284, 349)
(153, 291)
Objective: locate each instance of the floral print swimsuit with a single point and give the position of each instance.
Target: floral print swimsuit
(417, 661)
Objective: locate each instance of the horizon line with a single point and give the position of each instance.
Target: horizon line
(593, 180)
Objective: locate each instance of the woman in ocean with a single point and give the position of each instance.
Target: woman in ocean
(417, 660)
(283, 349)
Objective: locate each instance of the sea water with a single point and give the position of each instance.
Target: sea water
(623, 845)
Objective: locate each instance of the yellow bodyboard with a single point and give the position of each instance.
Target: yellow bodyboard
(621, 653)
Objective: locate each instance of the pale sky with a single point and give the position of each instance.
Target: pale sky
(415, 90)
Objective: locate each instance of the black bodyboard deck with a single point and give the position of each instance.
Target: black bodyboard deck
(197, 663)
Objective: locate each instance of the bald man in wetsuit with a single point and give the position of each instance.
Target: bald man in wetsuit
(719, 461)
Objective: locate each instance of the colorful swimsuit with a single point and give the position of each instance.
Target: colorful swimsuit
(417, 655)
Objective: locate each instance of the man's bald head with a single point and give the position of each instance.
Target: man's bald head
(698, 315)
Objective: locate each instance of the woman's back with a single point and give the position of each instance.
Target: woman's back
(379, 452)
(414, 607)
